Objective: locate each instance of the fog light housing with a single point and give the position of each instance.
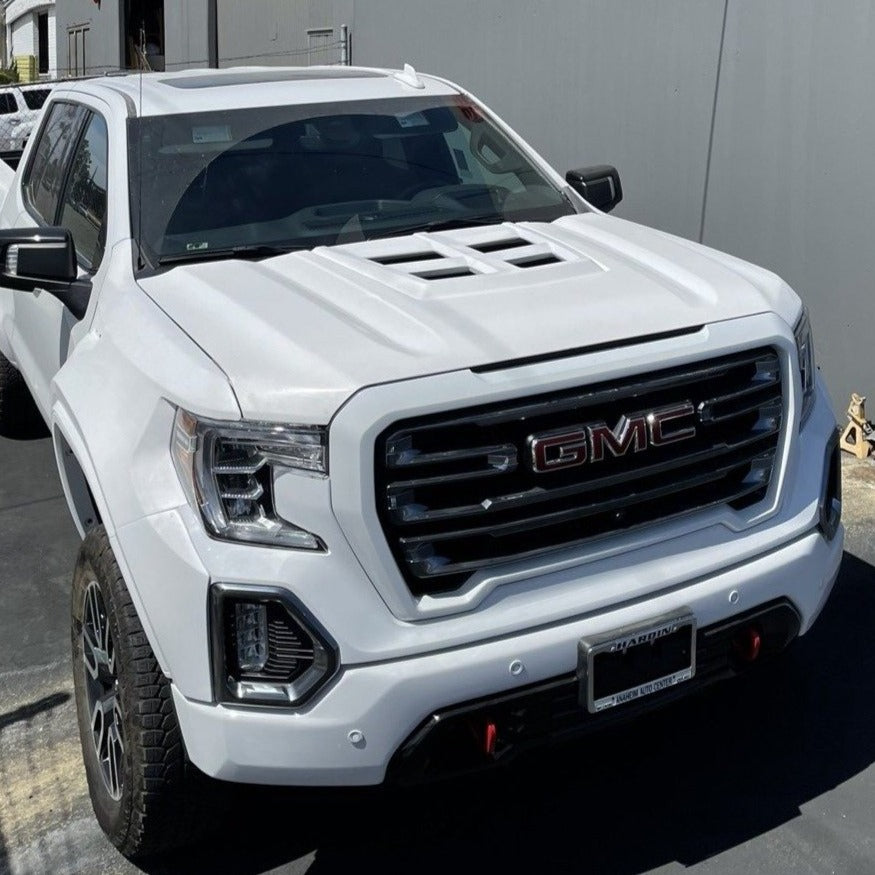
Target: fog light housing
(251, 635)
(831, 490)
(267, 648)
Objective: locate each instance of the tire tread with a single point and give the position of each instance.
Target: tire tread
(170, 800)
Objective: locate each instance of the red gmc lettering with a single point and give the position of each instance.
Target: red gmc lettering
(657, 420)
(559, 451)
(628, 432)
(593, 443)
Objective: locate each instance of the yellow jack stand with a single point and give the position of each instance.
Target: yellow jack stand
(858, 436)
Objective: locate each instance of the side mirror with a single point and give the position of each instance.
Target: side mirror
(599, 185)
(37, 258)
(43, 258)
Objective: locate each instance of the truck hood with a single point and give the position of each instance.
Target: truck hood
(299, 333)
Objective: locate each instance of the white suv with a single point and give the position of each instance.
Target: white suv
(20, 107)
(392, 453)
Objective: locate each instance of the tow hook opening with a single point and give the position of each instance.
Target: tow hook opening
(747, 644)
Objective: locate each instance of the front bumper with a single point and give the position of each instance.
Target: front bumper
(385, 702)
(402, 661)
(475, 735)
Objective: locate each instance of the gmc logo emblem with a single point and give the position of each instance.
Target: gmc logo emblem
(557, 450)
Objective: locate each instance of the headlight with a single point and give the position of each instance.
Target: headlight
(227, 470)
(805, 350)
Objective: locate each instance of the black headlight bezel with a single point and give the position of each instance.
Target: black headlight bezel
(247, 689)
(830, 503)
(807, 365)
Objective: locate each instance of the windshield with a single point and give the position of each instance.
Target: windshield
(264, 179)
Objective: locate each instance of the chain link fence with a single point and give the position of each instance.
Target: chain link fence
(20, 105)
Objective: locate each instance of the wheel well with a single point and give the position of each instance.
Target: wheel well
(80, 498)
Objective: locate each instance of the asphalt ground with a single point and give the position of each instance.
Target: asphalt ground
(772, 772)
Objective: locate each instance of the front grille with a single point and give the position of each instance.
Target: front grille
(456, 492)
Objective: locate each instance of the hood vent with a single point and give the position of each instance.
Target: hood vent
(468, 252)
(500, 245)
(538, 259)
(466, 260)
(444, 273)
(406, 257)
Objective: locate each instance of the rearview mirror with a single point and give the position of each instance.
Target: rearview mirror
(599, 185)
(37, 258)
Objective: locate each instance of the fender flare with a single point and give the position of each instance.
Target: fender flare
(67, 441)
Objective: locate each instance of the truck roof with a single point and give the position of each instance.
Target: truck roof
(150, 94)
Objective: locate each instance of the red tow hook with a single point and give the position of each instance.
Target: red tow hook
(490, 737)
(748, 643)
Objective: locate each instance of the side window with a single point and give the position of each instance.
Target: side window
(7, 103)
(83, 208)
(45, 175)
(35, 97)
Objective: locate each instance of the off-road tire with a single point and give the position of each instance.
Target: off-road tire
(164, 801)
(18, 413)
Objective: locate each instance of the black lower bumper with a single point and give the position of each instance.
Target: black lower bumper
(481, 733)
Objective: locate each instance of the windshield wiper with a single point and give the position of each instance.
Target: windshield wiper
(253, 251)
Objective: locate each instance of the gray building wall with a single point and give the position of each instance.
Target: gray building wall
(103, 42)
(281, 32)
(185, 34)
(792, 183)
(264, 32)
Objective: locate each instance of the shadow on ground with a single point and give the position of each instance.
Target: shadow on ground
(32, 709)
(681, 785)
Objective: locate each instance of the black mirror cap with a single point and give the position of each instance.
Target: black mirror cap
(598, 185)
(37, 258)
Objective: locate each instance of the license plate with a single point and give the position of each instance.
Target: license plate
(632, 663)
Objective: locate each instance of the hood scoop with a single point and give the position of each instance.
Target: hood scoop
(469, 252)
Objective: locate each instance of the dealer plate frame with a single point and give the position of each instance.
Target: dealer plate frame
(637, 635)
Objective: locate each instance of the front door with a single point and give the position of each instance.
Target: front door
(64, 184)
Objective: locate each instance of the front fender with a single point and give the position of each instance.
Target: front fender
(112, 407)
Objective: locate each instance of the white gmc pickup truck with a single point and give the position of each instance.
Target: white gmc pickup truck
(391, 452)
